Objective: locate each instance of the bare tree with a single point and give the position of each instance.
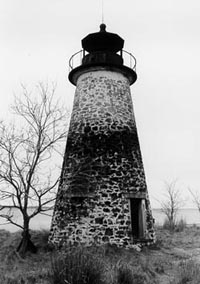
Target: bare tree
(28, 152)
(172, 203)
(196, 198)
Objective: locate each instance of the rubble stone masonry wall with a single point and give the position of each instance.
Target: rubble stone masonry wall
(102, 166)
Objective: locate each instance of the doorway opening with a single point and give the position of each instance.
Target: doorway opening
(138, 217)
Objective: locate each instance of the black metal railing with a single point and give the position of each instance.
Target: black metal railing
(76, 59)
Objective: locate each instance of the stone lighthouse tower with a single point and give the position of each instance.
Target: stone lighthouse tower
(102, 195)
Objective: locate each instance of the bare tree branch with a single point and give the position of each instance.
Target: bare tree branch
(196, 198)
(172, 203)
(25, 153)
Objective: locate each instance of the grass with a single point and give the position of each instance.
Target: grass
(166, 262)
(101, 265)
(77, 265)
(33, 269)
(188, 272)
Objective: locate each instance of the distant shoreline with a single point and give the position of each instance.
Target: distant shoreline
(190, 215)
(50, 208)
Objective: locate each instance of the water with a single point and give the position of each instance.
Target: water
(40, 222)
(189, 215)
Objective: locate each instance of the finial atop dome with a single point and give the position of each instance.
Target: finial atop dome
(102, 27)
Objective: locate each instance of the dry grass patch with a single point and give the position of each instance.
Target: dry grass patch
(188, 273)
(33, 269)
(107, 265)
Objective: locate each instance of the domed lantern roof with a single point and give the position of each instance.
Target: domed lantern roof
(102, 41)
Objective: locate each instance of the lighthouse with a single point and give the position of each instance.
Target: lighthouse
(102, 195)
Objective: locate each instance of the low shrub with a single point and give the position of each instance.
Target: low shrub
(120, 273)
(40, 239)
(168, 225)
(180, 225)
(128, 275)
(77, 265)
(128, 272)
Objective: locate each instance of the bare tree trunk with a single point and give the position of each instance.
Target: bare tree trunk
(26, 243)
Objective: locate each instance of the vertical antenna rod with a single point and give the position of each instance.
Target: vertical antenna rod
(102, 12)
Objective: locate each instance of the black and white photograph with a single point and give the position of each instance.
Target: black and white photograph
(99, 142)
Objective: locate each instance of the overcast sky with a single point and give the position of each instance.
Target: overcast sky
(37, 38)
